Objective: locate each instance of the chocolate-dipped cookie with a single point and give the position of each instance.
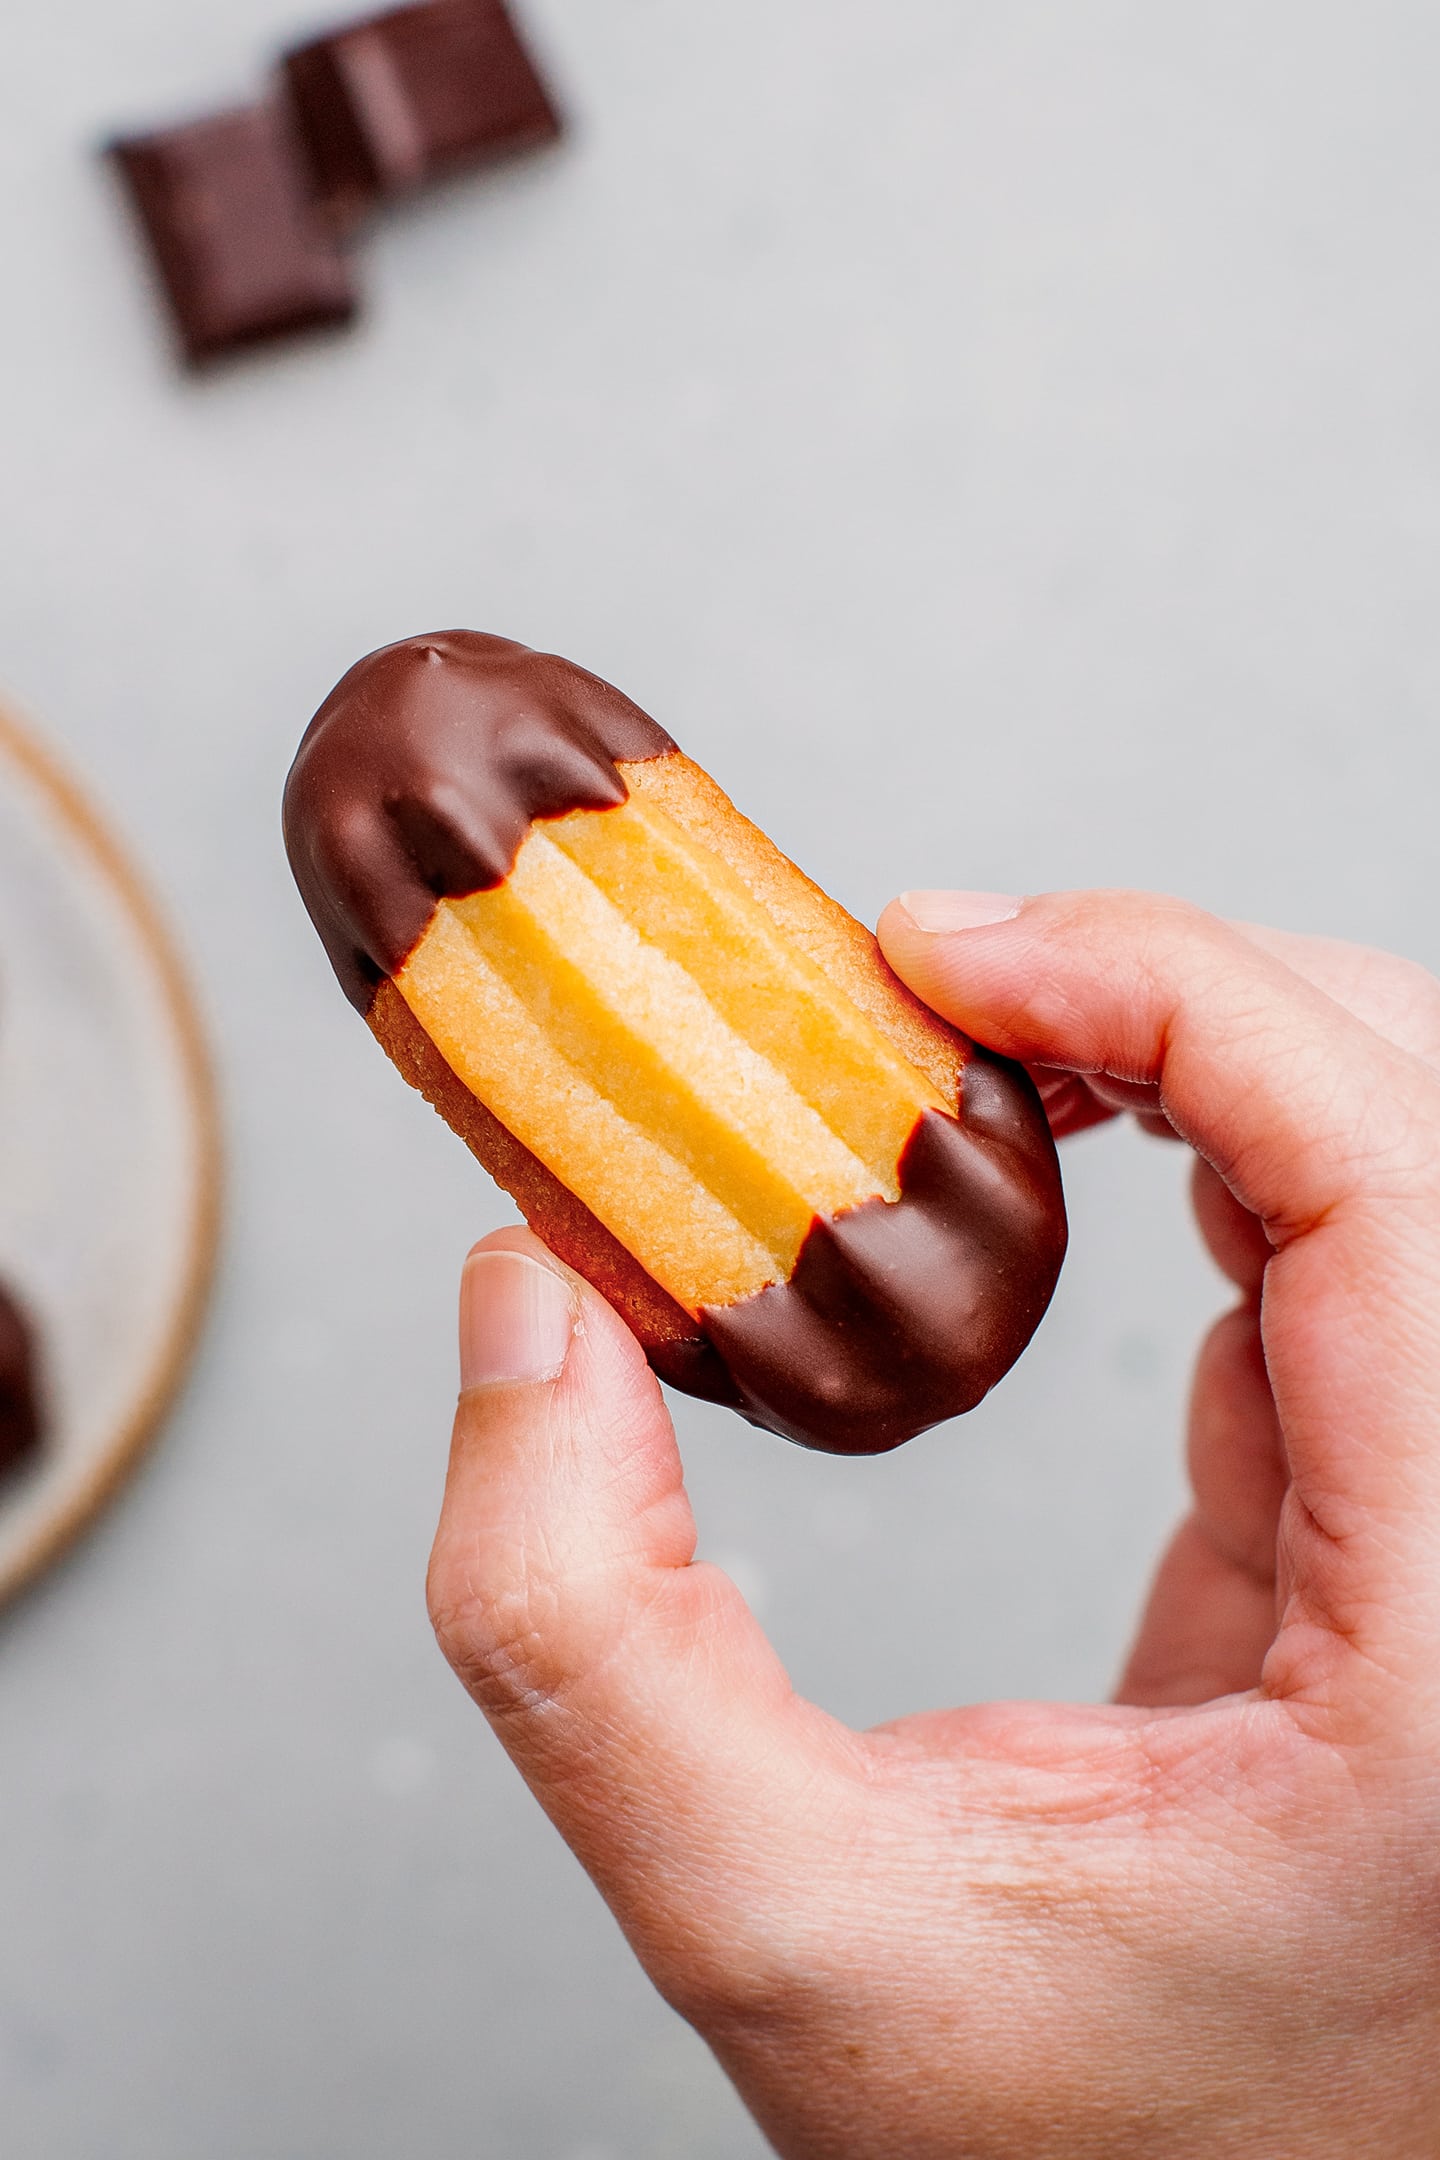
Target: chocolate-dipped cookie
(809, 1197)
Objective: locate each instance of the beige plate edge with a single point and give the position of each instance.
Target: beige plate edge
(134, 1432)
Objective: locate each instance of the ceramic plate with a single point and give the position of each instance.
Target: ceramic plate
(109, 1176)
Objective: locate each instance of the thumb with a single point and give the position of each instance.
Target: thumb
(631, 1686)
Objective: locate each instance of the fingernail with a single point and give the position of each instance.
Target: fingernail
(517, 1320)
(937, 911)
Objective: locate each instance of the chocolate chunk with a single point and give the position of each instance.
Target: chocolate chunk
(243, 252)
(21, 1424)
(388, 104)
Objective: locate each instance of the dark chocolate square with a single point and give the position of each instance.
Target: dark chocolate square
(240, 245)
(387, 104)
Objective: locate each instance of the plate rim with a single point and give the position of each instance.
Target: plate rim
(137, 1428)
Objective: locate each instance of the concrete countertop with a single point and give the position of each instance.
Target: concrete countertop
(1002, 441)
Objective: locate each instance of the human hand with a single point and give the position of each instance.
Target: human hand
(1202, 1921)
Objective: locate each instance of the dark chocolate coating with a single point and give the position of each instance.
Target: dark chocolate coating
(900, 1314)
(421, 774)
(243, 252)
(387, 104)
(21, 1424)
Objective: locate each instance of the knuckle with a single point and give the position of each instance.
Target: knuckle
(500, 1640)
(1150, 929)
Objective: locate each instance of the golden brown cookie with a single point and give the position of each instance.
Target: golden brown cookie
(807, 1195)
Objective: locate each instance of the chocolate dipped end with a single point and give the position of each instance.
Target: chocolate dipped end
(21, 1423)
(421, 774)
(900, 1314)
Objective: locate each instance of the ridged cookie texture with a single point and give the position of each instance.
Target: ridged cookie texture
(810, 1198)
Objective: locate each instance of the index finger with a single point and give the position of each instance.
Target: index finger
(1396, 997)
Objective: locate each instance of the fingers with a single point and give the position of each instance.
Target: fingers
(1070, 1103)
(1264, 1074)
(1211, 1616)
(632, 1688)
(1397, 998)
(1076, 1101)
(1206, 1630)
(1235, 1453)
(1328, 1134)
(1236, 1239)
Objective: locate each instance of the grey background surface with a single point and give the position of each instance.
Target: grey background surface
(1003, 442)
